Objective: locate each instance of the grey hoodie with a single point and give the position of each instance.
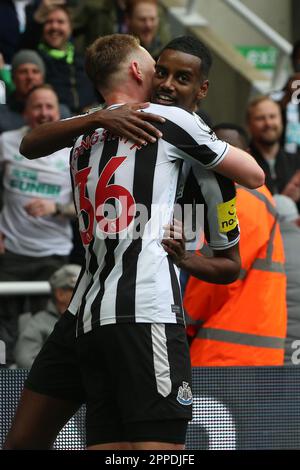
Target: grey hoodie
(34, 335)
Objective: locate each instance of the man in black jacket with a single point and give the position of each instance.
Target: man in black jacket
(64, 66)
(282, 170)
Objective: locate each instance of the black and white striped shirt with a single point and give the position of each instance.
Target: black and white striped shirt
(216, 196)
(129, 278)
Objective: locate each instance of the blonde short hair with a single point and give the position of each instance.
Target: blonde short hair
(106, 54)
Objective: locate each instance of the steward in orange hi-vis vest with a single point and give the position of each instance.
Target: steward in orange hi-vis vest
(243, 323)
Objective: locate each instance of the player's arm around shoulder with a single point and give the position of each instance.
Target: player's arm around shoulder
(53, 136)
(125, 121)
(200, 144)
(242, 168)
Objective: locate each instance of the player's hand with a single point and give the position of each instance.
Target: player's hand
(40, 207)
(289, 89)
(174, 242)
(292, 189)
(127, 121)
(2, 245)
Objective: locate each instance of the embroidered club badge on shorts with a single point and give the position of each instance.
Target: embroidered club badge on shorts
(184, 396)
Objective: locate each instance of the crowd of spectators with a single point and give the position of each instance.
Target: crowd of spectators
(42, 45)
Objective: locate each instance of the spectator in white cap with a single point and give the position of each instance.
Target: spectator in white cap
(28, 71)
(40, 325)
(290, 229)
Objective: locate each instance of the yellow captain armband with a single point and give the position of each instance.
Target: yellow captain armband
(227, 216)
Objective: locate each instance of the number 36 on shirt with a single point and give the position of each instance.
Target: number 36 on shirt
(104, 191)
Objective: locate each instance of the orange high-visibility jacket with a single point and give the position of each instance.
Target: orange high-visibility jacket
(244, 323)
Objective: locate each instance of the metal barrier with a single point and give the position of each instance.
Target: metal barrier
(25, 288)
(235, 408)
(189, 16)
(285, 48)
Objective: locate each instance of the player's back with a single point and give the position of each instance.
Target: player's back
(124, 195)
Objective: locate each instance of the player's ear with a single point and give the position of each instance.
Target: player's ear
(136, 71)
(203, 89)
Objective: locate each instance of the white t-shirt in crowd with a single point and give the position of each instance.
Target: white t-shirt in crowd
(25, 180)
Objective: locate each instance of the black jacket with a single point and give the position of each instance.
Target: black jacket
(286, 164)
(69, 81)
